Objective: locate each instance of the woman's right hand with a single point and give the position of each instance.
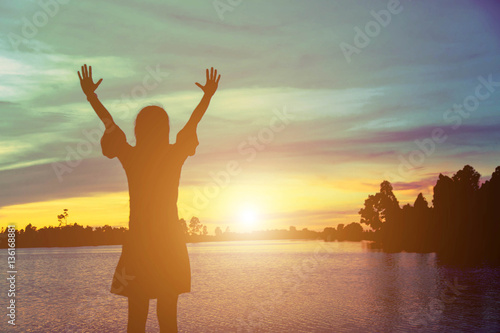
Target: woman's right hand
(212, 83)
(88, 85)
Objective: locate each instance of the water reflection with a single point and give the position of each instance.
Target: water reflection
(278, 286)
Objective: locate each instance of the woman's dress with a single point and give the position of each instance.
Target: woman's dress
(154, 258)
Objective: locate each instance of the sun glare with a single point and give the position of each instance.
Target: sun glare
(249, 218)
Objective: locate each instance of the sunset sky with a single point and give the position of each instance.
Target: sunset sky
(352, 118)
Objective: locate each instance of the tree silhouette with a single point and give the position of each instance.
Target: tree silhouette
(380, 208)
(184, 227)
(194, 226)
(462, 225)
(455, 211)
(63, 218)
(489, 218)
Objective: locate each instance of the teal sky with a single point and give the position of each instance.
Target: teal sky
(352, 122)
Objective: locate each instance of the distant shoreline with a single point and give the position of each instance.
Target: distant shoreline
(74, 235)
(200, 242)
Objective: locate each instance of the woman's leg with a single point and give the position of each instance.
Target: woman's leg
(138, 308)
(166, 310)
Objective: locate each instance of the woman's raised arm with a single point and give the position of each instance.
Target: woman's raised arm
(209, 89)
(89, 87)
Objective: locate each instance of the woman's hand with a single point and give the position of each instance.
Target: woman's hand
(88, 85)
(212, 83)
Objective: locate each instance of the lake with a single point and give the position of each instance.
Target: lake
(263, 286)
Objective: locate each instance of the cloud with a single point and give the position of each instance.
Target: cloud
(353, 117)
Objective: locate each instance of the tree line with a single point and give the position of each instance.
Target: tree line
(462, 225)
(67, 234)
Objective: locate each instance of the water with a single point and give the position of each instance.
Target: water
(263, 286)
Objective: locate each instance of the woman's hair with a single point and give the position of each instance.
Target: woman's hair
(152, 126)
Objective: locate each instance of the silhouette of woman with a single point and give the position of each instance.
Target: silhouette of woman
(154, 262)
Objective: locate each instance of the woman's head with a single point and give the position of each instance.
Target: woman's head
(152, 127)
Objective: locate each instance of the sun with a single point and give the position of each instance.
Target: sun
(248, 217)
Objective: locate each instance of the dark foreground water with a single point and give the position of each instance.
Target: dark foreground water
(262, 286)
